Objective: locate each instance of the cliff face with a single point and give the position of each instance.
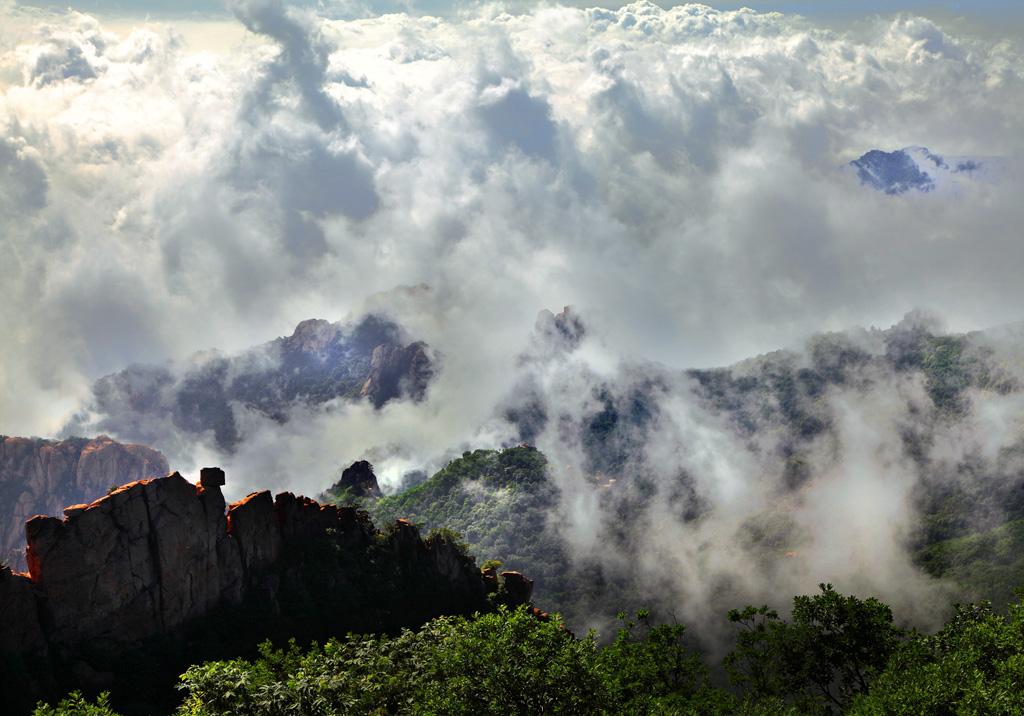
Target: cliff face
(396, 371)
(320, 362)
(41, 477)
(147, 560)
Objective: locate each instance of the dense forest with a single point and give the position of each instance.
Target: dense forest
(835, 654)
(500, 503)
(636, 441)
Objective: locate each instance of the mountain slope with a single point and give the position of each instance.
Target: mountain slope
(42, 477)
(180, 403)
(847, 457)
(915, 169)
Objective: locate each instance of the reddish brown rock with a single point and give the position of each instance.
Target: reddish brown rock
(519, 588)
(253, 525)
(155, 554)
(490, 577)
(41, 477)
(139, 561)
(405, 540)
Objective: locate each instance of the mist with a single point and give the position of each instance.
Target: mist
(671, 173)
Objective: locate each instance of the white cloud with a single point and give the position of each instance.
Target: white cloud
(672, 169)
(673, 173)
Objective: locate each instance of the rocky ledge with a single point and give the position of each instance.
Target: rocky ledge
(154, 556)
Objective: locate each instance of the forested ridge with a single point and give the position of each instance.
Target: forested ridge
(834, 654)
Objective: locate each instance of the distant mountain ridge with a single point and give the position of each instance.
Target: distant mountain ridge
(788, 419)
(915, 168)
(42, 477)
(172, 403)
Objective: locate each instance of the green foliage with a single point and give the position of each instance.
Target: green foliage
(990, 562)
(498, 501)
(952, 364)
(973, 666)
(831, 651)
(346, 497)
(837, 654)
(651, 669)
(512, 663)
(508, 662)
(451, 537)
(771, 533)
(74, 704)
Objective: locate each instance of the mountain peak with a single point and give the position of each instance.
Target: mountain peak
(916, 168)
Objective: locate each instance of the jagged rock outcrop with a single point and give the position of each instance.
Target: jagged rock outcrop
(157, 554)
(138, 562)
(314, 335)
(319, 362)
(519, 587)
(357, 480)
(41, 477)
(398, 370)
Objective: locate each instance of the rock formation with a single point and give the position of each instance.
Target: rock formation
(40, 477)
(151, 558)
(357, 480)
(177, 403)
(566, 329)
(398, 370)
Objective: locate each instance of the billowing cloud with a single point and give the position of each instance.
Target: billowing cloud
(674, 173)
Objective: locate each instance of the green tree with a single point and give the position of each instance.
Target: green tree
(973, 667)
(831, 651)
(513, 663)
(651, 670)
(74, 704)
(508, 662)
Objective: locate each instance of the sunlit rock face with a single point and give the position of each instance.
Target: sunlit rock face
(158, 554)
(137, 562)
(41, 477)
(915, 169)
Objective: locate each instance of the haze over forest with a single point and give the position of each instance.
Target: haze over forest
(179, 189)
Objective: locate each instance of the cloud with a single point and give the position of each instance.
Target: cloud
(673, 173)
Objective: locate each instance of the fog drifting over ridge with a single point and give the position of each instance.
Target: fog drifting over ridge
(672, 173)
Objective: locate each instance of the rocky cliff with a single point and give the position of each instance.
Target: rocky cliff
(141, 567)
(179, 403)
(396, 371)
(41, 477)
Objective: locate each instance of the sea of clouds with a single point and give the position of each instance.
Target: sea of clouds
(673, 173)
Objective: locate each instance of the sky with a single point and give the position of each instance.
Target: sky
(172, 184)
